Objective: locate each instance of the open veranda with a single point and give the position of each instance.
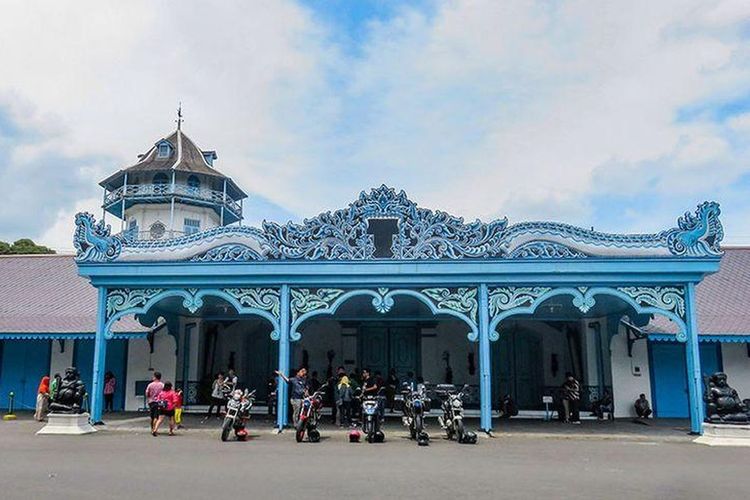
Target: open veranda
(533, 459)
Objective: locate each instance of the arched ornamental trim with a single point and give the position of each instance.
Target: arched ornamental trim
(668, 301)
(460, 302)
(263, 302)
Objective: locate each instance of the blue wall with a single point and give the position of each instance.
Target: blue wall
(116, 362)
(669, 372)
(23, 363)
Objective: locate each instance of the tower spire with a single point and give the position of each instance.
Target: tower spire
(179, 116)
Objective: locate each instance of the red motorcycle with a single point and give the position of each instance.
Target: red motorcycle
(309, 415)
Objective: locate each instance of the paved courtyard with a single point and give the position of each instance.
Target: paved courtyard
(129, 463)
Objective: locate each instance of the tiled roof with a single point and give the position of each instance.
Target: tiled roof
(723, 298)
(45, 294)
(185, 156)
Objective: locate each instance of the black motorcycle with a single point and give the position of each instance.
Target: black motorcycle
(238, 413)
(372, 418)
(415, 405)
(452, 419)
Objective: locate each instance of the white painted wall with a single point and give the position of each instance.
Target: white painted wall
(163, 360)
(146, 214)
(626, 386)
(737, 367)
(59, 361)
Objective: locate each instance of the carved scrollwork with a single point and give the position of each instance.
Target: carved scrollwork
(421, 234)
(93, 240)
(509, 297)
(697, 235)
(229, 253)
(265, 299)
(667, 298)
(305, 300)
(122, 299)
(461, 300)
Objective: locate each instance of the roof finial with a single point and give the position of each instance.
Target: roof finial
(179, 116)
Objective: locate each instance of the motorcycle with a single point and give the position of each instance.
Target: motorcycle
(372, 419)
(237, 415)
(309, 415)
(452, 419)
(415, 405)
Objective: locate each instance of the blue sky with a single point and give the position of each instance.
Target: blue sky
(596, 114)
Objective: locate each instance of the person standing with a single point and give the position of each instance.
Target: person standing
(345, 396)
(42, 399)
(152, 397)
(299, 388)
(178, 409)
(391, 386)
(571, 399)
(167, 401)
(217, 395)
(110, 383)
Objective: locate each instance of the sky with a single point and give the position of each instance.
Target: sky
(614, 115)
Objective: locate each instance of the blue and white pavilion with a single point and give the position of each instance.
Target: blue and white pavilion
(387, 284)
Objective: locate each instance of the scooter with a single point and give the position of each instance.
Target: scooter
(452, 419)
(415, 405)
(308, 417)
(372, 420)
(237, 415)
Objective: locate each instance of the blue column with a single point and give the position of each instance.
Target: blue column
(282, 389)
(485, 375)
(692, 353)
(186, 361)
(100, 356)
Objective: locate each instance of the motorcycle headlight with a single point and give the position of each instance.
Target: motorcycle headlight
(456, 403)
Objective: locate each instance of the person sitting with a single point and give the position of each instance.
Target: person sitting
(642, 407)
(602, 405)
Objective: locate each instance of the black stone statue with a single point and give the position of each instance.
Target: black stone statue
(69, 397)
(723, 404)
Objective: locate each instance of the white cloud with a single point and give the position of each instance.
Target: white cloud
(482, 108)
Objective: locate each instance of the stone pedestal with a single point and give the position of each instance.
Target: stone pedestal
(725, 435)
(67, 424)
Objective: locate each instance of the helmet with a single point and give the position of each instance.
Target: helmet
(354, 436)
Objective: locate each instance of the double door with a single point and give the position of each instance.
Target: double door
(382, 347)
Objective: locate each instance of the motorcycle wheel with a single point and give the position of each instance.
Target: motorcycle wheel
(459, 430)
(226, 428)
(299, 435)
(418, 425)
(314, 435)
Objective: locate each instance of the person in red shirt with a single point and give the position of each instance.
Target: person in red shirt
(42, 400)
(167, 400)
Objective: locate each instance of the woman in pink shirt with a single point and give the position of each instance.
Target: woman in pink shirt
(167, 400)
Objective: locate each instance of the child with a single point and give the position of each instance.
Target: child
(178, 409)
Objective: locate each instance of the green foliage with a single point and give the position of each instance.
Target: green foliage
(23, 246)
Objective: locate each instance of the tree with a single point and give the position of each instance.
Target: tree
(23, 246)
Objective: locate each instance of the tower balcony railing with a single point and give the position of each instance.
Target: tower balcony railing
(153, 192)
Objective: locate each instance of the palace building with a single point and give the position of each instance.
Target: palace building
(183, 287)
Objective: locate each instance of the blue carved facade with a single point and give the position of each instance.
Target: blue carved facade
(422, 234)
(385, 283)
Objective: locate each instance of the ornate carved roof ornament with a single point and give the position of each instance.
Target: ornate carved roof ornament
(421, 234)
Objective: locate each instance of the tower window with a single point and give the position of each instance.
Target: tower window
(194, 183)
(157, 230)
(164, 150)
(133, 228)
(161, 178)
(192, 226)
